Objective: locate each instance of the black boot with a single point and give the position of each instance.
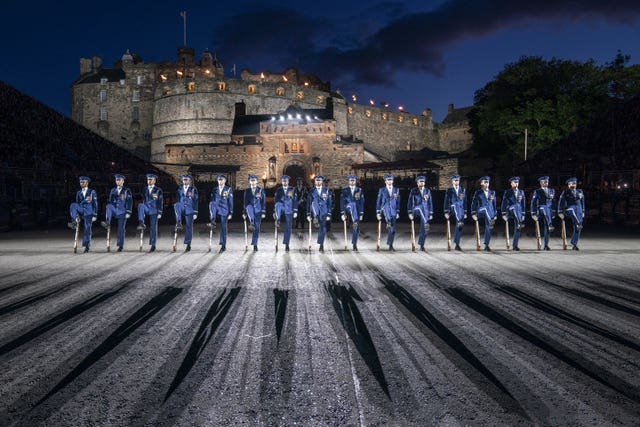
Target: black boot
(188, 248)
(355, 248)
(153, 249)
(321, 248)
(222, 248)
(286, 248)
(255, 248)
(119, 249)
(141, 226)
(458, 248)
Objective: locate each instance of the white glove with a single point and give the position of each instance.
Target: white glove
(328, 218)
(446, 216)
(343, 217)
(159, 216)
(360, 219)
(127, 216)
(264, 216)
(229, 218)
(295, 214)
(397, 216)
(561, 215)
(465, 216)
(474, 217)
(309, 218)
(505, 217)
(411, 216)
(93, 219)
(379, 217)
(244, 216)
(534, 217)
(195, 216)
(430, 217)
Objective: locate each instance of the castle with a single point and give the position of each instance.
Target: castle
(188, 116)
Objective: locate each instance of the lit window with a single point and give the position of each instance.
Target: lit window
(280, 91)
(103, 114)
(136, 96)
(300, 94)
(400, 118)
(139, 80)
(103, 80)
(191, 86)
(385, 116)
(252, 88)
(367, 113)
(103, 95)
(122, 82)
(221, 86)
(135, 114)
(294, 147)
(166, 91)
(350, 110)
(320, 100)
(415, 121)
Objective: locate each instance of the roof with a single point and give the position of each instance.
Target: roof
(111, 74)
(397, 165)
(250, 124)
(458, 115)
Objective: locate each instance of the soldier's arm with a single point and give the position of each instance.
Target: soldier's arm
(160, 202)
(195, 200)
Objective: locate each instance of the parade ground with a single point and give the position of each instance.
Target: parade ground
(372, 338)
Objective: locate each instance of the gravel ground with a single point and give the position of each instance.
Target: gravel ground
(340, 338)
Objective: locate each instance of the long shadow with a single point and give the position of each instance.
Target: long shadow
(614, 291)
(564, 315)
(344, 304)
(281, 299)
(552, 347)
(62, 318)
(129, 326)
(208, 327)
(589, 296)
(440, 330)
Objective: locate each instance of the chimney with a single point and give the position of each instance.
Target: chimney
(85, 66)
(97, 64)
(450, 109)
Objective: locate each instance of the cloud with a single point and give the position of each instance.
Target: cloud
(384, 39)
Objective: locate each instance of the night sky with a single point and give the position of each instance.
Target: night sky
(414, 53)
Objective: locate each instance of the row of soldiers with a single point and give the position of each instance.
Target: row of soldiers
(292, 203)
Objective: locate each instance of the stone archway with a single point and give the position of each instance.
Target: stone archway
(295, 169)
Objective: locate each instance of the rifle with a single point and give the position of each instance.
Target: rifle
(210, 238)
(506, 231)
(563, 231)
(75, 240)
(413, 237)
(175, 238)
(310, 221)
(478, 235)
(246, 239)
(109, 238)
(448, 234)
(275, 235)
(345, 233)
(141, 237)
(379, 232)
(538, 240)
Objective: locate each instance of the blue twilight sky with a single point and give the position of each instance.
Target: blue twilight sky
(419, 54)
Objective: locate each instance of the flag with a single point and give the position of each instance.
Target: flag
(183, 14)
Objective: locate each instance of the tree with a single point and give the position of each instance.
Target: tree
(549, 98)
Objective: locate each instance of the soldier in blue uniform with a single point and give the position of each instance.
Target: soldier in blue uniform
(186, 205)
(151, 205)
(301, 195)
(455, 202)
(120, 206)
(286, 205)
(388, 206)
(513, 209)
(85, 207)
(255, 208)
(352, 208)
(483, 208)
(420, 205)
(318, 208)
(221, 207)
(571, 204)
(542, 208)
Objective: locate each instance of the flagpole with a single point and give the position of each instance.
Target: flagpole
(184, 26)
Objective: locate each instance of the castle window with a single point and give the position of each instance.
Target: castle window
(191, 86)
(252, 88)
(221, 86)
(166, 91)
(103, 114)
(385, 116)
(320, 100)
(294, 147)
(300, 95)
(122, 82)
(415, 121)
(103, 95)
(350, 109)
(280, 91)
(400, 118)
(136, 96)
(135, 114)
(367, 113)
(103, 80)
(139, 80)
